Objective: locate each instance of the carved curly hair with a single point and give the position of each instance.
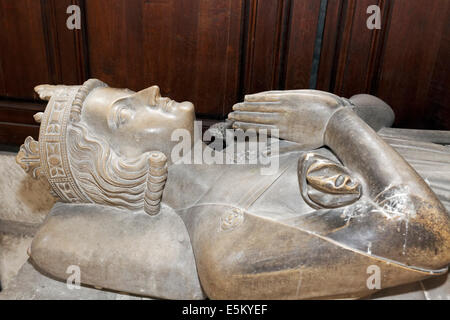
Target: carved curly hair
(102, 175)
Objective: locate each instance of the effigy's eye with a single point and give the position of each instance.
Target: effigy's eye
(124, 115)
(120, 115)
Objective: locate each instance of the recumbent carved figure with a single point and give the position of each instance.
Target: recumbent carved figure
(134, 220)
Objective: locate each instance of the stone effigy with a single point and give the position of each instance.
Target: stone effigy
(136, 219)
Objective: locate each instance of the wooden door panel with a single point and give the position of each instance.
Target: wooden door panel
(265, 20)
(190, 48)
(410, 58)
(302, 37)
(24, 60)
(212, 52)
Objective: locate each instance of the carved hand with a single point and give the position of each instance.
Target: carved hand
(300, 115)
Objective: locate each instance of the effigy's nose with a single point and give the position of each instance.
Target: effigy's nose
(149, 95)
(155, 93)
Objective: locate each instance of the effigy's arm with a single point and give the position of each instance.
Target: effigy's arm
(394, 196)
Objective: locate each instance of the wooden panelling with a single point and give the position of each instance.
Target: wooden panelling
(301, 41)
(438, 113)
(37, 47)
(23, 54)
(68, 47)
(350, 54)
(402, 63)
(329, 43)
(280, 43)
(190, 48)
(411, 55)
(264, 38)
(212, 52)
(20, 112)
(15, 133)
(17, 122)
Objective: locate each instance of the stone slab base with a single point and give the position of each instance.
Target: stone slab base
(430, 289)
(13, 254)
(32, 285)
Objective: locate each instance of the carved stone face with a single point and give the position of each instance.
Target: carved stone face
(134, 123)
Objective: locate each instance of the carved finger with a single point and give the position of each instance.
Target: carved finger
(258, 107)
(255, 126)
(299, 96)
(254, 117)
(262, 97)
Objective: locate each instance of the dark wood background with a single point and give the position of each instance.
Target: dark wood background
(212, 52)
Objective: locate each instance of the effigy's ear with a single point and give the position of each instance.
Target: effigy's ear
(325, 183)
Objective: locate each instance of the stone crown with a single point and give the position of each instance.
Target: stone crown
(48, 156)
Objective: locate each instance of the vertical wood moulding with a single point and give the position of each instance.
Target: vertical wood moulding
(232, 89)
(277, 45)
(2, 72)
(66, 50)
(242, 50)
(302, 38)
(2, 79)
(251, 12)
(328, 54)
(318, 43)
(376, 61)
(80, 44)
(51, 40)
(265, 33)
(344, 40)
(279, 81)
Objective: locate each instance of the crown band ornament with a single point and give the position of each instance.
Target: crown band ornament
(28, 157)
(49, 155)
